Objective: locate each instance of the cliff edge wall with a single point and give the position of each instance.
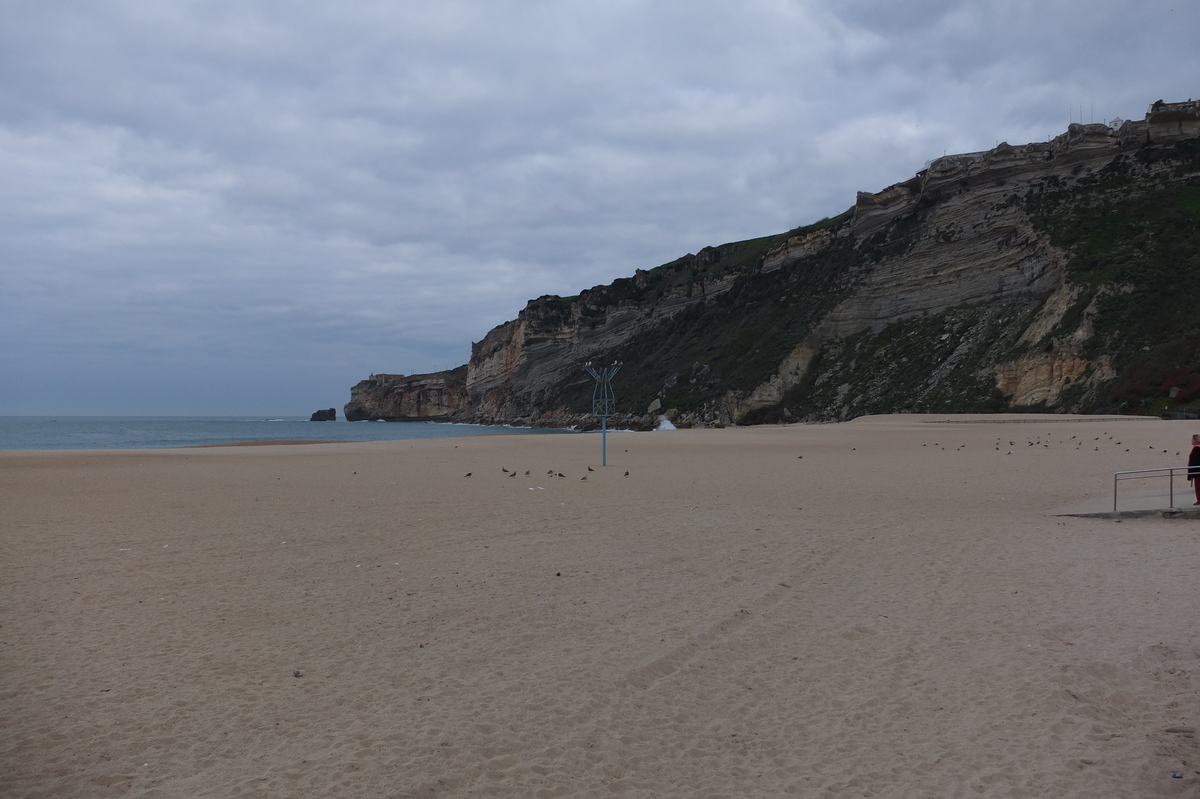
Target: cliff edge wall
(988, 281)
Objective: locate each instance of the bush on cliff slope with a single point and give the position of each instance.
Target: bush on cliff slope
(1136, 239)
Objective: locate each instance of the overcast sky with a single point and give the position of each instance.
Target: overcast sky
(246, 207)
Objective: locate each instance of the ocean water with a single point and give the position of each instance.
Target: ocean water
(155, 432)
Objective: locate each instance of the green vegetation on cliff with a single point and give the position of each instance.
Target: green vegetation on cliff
(737, 337)
(927, 364)
(1133, 232)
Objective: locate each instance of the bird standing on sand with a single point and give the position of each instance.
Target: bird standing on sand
(468, 474)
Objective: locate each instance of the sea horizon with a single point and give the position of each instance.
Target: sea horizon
(104, 432)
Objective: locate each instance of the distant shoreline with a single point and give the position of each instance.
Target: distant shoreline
(263, 443)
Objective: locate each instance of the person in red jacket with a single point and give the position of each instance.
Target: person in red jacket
(1194, 466)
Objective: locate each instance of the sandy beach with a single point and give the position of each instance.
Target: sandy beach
(892, 607)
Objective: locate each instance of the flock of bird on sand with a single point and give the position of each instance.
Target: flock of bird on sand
(1079, 443)
(1033, 442)
(551, 473)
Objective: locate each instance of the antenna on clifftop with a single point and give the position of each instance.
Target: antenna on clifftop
(604, 401)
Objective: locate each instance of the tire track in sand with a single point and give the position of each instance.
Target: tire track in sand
(731, 624)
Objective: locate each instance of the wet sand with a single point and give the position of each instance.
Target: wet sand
(886, 608)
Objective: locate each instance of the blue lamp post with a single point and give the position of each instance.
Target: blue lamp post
(604, 401)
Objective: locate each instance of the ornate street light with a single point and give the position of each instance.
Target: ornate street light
(604, 401)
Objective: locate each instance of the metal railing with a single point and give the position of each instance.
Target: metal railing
(1141, 474)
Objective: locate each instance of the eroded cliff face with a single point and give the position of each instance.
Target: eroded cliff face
(971, 244)
(959, 289)
(441, 396)
(519, 370)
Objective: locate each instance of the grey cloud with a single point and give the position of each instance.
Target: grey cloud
(382, 182)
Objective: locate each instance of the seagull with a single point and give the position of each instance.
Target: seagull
(526, 472)
(514, 474)
(504, 470)
(560, 474)
(626, 474)
(590, 469)
(584, 477)
(468, 474)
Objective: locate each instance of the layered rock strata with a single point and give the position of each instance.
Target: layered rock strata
(441, 396)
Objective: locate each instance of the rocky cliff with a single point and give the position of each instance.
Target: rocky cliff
(441, 396)
(1057, 275)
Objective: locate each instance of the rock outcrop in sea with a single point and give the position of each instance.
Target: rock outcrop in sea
(1061, 276)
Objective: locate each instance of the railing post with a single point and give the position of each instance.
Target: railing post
(603, 440)
(1137, 474)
